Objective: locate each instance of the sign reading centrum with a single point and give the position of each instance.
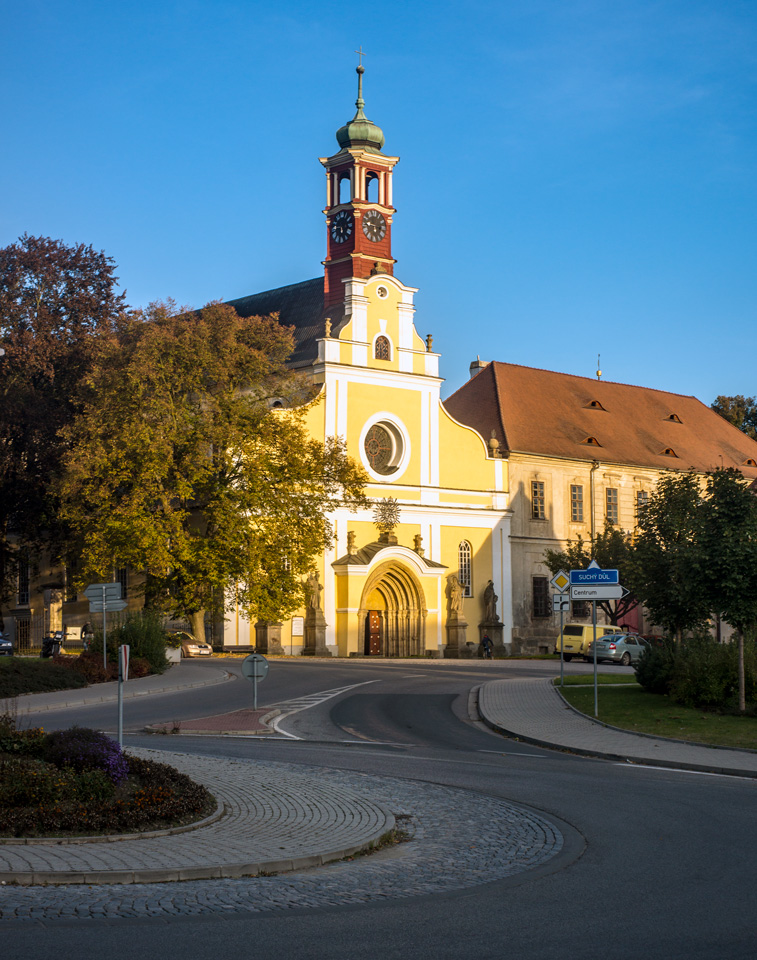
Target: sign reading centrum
(586, 578)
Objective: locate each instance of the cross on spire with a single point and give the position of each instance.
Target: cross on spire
(360, 55)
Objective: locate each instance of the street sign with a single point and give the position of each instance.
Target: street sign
(600, 591)
(560, 581)
(103, 591)
(110, 606)
(582, 578)
(560, 602)
(255, 667)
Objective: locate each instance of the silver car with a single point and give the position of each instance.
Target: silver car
(6, 646)
(622, 648)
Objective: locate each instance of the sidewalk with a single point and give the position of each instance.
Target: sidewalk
(533, 710)
(184, 675)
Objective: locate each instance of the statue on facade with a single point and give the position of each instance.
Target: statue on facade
(314, 589)
(386, 514)
(351, 548)
(455, 594)
(418, 544)
(490, 604)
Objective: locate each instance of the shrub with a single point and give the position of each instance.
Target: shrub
(26, 782)
(699, 672)
(146, 636)
(19, 675)
(84, 749)
(654, 669)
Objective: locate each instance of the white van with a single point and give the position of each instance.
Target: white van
(578, 637)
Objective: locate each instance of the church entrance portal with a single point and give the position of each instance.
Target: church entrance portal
(393, 613)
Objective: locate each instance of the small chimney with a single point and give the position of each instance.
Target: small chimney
(477, 366)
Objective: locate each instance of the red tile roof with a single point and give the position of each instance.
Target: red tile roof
(561, 415)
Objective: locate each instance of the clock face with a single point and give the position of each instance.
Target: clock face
(379, 449)
(374, 226)
(341, 227)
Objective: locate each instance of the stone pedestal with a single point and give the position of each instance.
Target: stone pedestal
(494, 630)
(315, 635)
(457, 647)
(268, 638)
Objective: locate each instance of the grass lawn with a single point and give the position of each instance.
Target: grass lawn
(630, 707)
(19, 675)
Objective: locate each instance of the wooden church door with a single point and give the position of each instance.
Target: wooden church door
(373, 634)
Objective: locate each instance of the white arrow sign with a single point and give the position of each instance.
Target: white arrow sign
(110, 606)
(600, 591)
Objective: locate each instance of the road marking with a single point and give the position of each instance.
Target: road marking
(297, 705)
(513, 753)
(696, 773)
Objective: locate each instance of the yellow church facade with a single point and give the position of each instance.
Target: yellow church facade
(394, 593)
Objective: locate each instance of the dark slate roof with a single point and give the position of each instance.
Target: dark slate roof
(299, 305)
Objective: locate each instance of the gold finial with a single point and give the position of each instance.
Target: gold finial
(599, 372)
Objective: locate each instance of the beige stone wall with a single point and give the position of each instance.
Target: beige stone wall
(531, 537)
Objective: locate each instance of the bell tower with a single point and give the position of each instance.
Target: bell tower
(358, 203)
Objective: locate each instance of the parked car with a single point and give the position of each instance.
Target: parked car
(577, 638)
(191, 646)
(625, 648)
(6, 646)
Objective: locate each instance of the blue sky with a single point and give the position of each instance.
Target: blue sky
(577, 176)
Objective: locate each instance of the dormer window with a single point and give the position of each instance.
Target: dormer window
(592, 442)
(673, 418)
(669, 452)
(749, 462)
(382, 349)
(593, 405)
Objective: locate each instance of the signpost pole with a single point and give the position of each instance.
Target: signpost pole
(562, 658)
(120, 698)
(594, 629)
(105, 636)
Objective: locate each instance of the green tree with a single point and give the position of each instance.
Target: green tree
(55, 301)
(729, 542)
(740, 411)
(179, 467)
(612, 549)
(668, 571)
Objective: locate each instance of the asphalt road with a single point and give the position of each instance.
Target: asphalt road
(659, 863)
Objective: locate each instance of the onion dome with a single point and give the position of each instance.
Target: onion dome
(360, 132)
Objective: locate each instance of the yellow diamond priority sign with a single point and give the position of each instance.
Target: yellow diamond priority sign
(560, 581)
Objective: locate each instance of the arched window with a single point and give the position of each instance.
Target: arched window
(345, 191)
(382, 349)
(464, 567)
(372, 188)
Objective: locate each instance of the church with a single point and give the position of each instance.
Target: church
(470, 491)
(418, 576)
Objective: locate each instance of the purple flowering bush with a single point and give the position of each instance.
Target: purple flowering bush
(78, 782)
(83, 749)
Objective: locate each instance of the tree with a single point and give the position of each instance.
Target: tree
(729, 542)
(668, 572)
(179, 467)
(55, 301)
(740, 411)
(612, 551)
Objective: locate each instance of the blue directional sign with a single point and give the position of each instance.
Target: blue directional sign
(582, 578)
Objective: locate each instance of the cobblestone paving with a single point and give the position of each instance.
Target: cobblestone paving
(458, 839)
(271, 820)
